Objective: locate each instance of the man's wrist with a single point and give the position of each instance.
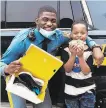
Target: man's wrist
(96, 46)
(2, 69)
(6, 71)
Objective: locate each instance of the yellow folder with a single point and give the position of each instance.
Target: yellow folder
(40, 63)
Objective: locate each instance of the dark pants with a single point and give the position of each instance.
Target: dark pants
(87, 100)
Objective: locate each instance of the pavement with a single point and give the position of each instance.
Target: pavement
(6, 105)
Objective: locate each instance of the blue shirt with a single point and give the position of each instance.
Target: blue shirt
(21, 42)
(76, 68)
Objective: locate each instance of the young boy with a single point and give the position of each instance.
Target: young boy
(78, 64)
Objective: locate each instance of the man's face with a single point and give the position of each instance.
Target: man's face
(47, 21)
(79, 32)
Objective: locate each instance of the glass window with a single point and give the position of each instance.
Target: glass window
(66, 16)
(25, 11)
(97, 11)
(77, 10)
(2, 3)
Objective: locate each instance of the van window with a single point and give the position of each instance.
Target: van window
(22, 14)
(97, 11)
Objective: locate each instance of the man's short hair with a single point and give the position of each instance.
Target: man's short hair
(46, 9)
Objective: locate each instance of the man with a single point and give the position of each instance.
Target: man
(45, 29)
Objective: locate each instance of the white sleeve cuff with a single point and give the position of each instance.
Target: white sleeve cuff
(2, 67)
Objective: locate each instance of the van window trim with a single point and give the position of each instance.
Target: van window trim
(86, 12)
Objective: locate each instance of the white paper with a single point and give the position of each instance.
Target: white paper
(22, 91)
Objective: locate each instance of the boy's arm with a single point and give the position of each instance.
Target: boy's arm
(87, 65)
(84, 66)
(97, 53)
(69, 64)
(68, 60)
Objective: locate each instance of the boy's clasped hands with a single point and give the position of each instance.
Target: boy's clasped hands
(76, 47)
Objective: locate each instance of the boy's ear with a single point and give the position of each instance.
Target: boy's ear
(71, 35)
(86, 33)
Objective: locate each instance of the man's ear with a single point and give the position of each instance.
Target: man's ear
(36, 21)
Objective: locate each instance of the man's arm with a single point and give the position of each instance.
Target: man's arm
(8, 63)
(13, 53)
(97, 53)
(2, 67)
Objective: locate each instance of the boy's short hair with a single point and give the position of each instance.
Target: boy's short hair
(46, 9)
(80, 22)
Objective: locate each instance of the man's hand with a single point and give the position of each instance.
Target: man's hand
(98, 56)
(99, 61)
(13, 67)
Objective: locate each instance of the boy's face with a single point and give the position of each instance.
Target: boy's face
(79, 32)
(47, 21)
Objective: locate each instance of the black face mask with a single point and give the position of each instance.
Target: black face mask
(31, 35)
